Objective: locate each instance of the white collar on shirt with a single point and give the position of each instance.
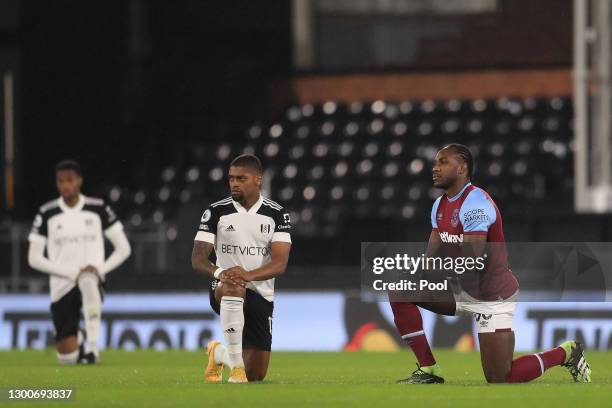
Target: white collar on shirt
(251, 210)
(456, 196)
(78, 207)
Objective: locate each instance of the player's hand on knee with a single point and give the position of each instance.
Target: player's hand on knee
(230, 280)
(237, 275)
(89, 269)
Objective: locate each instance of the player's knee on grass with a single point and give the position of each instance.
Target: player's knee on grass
(67, 345)
(256, 373)
(495, 379)
(496, 373)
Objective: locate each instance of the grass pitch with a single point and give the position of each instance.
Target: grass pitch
(175, 378)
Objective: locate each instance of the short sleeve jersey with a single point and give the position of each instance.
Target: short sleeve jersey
(243, 237)
(473, 211)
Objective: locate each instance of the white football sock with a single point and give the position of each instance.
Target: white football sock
(232, 323)
(221, 356)
(68, 358)
(92, 310)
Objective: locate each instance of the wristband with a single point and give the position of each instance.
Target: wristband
(218, 272)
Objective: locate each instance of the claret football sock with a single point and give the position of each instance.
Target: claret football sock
(553, 357)
(532, 366)
(409, 323)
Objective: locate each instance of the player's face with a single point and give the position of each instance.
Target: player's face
(446, 169)
(244, 183)
(68, 183)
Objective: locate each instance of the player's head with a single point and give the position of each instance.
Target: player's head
(68, 179)
(453, 163)
(245, 177)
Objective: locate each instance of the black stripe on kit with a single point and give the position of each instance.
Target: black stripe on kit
(224, 208)
(269, 211)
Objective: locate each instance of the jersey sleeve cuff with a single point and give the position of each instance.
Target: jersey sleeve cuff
(37, 238)
(281, 237)
(205, 237)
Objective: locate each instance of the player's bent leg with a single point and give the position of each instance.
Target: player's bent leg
(65, 313)
(497, 346)
(231, 310)
(256, 363)
(496, 350)
(409, 323)
(569, 355)
(257, 338)
(88, 284)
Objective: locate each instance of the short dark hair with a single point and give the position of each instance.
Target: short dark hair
(69, 164)
(248, 160)
(464, 153)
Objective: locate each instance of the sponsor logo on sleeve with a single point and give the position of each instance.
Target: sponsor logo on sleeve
(206, 216)
(476, 215)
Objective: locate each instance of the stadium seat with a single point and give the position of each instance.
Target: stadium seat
(334, 161)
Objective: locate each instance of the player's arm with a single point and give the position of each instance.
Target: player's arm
(279, 253)
(474, 245)
(203, 245)
(36, 250)
(113, 231)
(433, 245)
(201, 264)
(121, 248)
(38, 261)
(280, 247)
(199, 258)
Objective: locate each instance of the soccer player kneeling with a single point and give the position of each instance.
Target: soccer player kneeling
(72, 230)
(465, 219)
(251, 238)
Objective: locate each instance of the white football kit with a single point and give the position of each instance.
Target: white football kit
(74, 238)
(243, 238)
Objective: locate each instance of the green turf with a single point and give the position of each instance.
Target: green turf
(314, 380)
